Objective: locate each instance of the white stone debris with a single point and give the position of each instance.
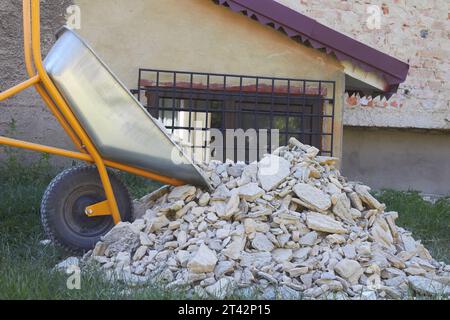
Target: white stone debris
(68, 264)
(290, 226)
(45, 242)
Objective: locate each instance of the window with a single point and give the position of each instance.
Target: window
(191, 108)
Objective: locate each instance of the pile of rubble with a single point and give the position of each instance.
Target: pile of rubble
(287, 227)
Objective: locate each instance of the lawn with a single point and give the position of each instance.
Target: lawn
(428, 222)
(25, 265)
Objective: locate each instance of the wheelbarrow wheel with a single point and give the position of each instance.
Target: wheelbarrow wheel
(63, 208)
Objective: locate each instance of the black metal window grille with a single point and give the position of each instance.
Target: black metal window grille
(298, 108)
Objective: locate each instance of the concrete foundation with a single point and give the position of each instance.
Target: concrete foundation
(398, 159)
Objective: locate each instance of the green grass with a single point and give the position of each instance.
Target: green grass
(429, 222)
(138, 186)
(25, 265)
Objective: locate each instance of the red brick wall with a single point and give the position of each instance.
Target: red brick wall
(415, 31)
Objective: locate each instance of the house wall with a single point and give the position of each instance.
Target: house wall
(168, 35)
(417, 32)
(196, 35)
(161, 34)
(25, 116)
(192, 35)
(373, 156)
(414, 31)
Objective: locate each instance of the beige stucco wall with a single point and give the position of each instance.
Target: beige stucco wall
(399, 159)
(197, 35)
(193, 35)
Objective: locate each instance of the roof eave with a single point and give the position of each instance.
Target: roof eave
(344, 48)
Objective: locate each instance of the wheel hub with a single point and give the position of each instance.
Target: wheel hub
(75, 215)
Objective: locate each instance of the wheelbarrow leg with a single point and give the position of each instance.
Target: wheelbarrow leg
(111, 199)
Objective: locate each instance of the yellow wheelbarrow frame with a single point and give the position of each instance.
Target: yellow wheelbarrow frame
(39, 78)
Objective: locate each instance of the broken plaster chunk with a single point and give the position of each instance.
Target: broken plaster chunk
(323, 223)
(204, 260)
(312, 198)
(272, 171)
(250, 192)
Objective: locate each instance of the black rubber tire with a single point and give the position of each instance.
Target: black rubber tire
(63, 204)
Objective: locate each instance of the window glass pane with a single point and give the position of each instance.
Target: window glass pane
(279, 122)
(216, 120)
(262, 121)
(248, 121)
(166, 114)
(295, 124)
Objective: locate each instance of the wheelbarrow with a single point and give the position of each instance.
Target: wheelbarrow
(110, 129)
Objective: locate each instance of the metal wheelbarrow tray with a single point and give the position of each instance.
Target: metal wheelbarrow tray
(119, 126)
